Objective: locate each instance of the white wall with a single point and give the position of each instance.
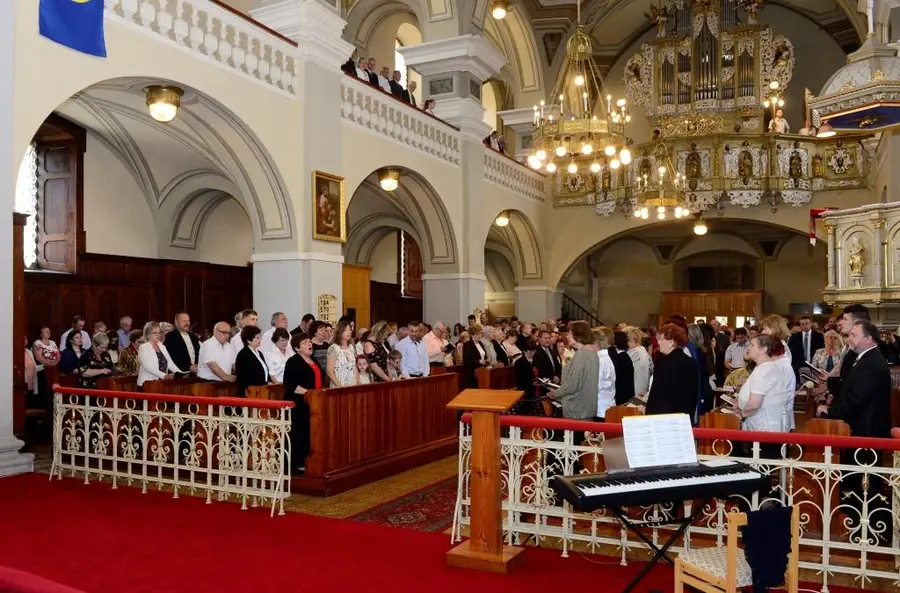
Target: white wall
(226, 237)
(117, 217)
(798, 275)
(630, 280)
(384, 259)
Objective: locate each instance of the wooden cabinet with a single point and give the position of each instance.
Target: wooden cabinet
(356, 294)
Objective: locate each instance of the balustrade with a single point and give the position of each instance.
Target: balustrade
(501, 170)
(810, 473)
(216, 32)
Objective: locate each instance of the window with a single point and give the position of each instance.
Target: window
(399, 62)
(27, 202)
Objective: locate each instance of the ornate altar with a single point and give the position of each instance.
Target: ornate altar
(864, 259)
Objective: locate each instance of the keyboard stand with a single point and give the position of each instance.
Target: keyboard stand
(658, 553)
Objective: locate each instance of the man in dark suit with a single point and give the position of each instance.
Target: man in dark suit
(804, 344)
(409, 95)
(546, 358)
(850, 315)
(182, 344)
(865, 405)
(397, 89)
(372, 72)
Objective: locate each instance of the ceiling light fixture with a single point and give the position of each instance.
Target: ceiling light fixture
(700, 228)
(825, 131)
(502, 219)
(499, 9)
(163, 101)
(389, 179)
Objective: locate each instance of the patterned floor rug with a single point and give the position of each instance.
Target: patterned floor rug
(427, 509)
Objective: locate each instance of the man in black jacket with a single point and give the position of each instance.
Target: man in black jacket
(804, 344)
(865, 405)
(851, 315)
(546, 359)
(182, 344)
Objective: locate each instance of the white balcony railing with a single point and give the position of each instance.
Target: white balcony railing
(216, 33)
(505, 172)
(230, 448)
(812, 473)
(370, 108)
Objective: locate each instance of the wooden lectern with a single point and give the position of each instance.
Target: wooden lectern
(485, 549)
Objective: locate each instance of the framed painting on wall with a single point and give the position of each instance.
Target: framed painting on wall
(329, 212)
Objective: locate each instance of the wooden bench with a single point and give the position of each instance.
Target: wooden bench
(496, 378)
(365, 433)
(457, 370)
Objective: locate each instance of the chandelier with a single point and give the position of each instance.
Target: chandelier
(577, 127)
(658, 188)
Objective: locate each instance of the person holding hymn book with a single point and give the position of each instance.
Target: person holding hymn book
(154, 358)
(95, 362)
(579, 389)
(301, 374)
(674, 386)
(763, 402)
(250, 368)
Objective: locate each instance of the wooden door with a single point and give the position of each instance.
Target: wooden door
(356, 293)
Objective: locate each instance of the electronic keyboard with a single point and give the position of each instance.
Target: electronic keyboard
(646, 486)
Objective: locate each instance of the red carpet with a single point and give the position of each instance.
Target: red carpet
(102, 540)
(427, 509)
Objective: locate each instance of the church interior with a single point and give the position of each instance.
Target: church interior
(327, 278)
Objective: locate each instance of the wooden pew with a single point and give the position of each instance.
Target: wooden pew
(496, 378)
(722, 421)
(456, 370)
(266, 392)
(118, 383)
(364, 433)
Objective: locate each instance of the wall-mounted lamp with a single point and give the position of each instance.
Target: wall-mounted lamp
(389, 179)
(502, 219)
(163, 101)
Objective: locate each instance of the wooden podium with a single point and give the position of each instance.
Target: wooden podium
(485, 549)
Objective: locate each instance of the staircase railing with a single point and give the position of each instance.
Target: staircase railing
(573, 311)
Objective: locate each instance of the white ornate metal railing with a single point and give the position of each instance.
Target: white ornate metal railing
(232, 448)
(375, 110)
(212, 31)
(829, 479)
(505, 172)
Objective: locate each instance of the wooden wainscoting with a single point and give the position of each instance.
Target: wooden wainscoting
(108, 287)
(389, 305)
(744, 303)
(365, 433)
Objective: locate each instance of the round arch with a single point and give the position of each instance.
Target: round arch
(518, 242)
(206, 150)
(414, 207)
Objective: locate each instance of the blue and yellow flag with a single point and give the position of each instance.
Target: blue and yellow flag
(74, 23)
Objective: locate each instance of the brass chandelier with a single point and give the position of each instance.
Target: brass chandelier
(577, 127)
(658, 187)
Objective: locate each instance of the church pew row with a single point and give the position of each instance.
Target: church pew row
(496, 378)
(456, 370)
(365, 433)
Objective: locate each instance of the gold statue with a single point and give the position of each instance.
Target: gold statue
(818, 166)
(745, 166)
(856, 260)
(795, 165)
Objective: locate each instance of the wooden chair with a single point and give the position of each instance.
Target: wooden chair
(724, 569)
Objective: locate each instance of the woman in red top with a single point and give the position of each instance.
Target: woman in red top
(301, 374)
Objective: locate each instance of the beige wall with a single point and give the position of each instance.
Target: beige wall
(226, 237)
(117, 218)
(384, 260)
(798, 275)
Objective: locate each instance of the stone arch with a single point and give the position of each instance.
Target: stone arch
(518, 242)
(414, 207)
(208, 148)
(366, 16)
(580, 243)
(515, 38)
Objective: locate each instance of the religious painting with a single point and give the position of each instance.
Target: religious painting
(329, 215)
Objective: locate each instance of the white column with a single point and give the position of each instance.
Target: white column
(521, 120)
(293, 282)
(451, 297)
(832, 254)
(538, 303)
(11, 460)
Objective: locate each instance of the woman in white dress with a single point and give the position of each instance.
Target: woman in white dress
(640, 358)
(276, 357)
(765, 401)
(342, 358)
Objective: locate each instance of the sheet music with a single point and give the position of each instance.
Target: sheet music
(664, 439)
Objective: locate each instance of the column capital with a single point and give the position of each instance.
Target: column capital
(316, 28)
(466, 114)
(521, 120)
(472, 54)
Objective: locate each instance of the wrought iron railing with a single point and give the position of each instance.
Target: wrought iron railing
(571, 311)
(833, 481)
(233, 448)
